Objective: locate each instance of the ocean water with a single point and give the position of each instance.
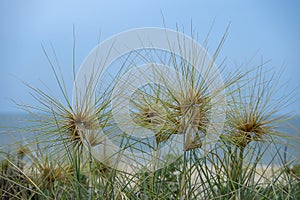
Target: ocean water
(11, 126)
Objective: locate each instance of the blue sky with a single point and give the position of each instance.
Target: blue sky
(263, 28)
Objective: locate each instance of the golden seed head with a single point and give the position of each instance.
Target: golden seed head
(77, 123)
(22, 151)
(248, 130)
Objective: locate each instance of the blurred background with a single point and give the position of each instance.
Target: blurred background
(258, 29)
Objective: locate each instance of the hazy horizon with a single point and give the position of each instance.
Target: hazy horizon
(258, 29)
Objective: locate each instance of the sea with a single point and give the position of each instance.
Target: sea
(12, 124)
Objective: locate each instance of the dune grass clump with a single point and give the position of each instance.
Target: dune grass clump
(252, 114)
(58, 163)
(250, 129)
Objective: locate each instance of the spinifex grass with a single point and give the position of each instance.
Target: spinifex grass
(58, 163)
(66, 131)
(252, 117)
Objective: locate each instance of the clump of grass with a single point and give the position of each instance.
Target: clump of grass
(66, 131)
(58, 163)
(253, 113)
(252, 118)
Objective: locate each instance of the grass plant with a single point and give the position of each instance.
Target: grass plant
(58, 162)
